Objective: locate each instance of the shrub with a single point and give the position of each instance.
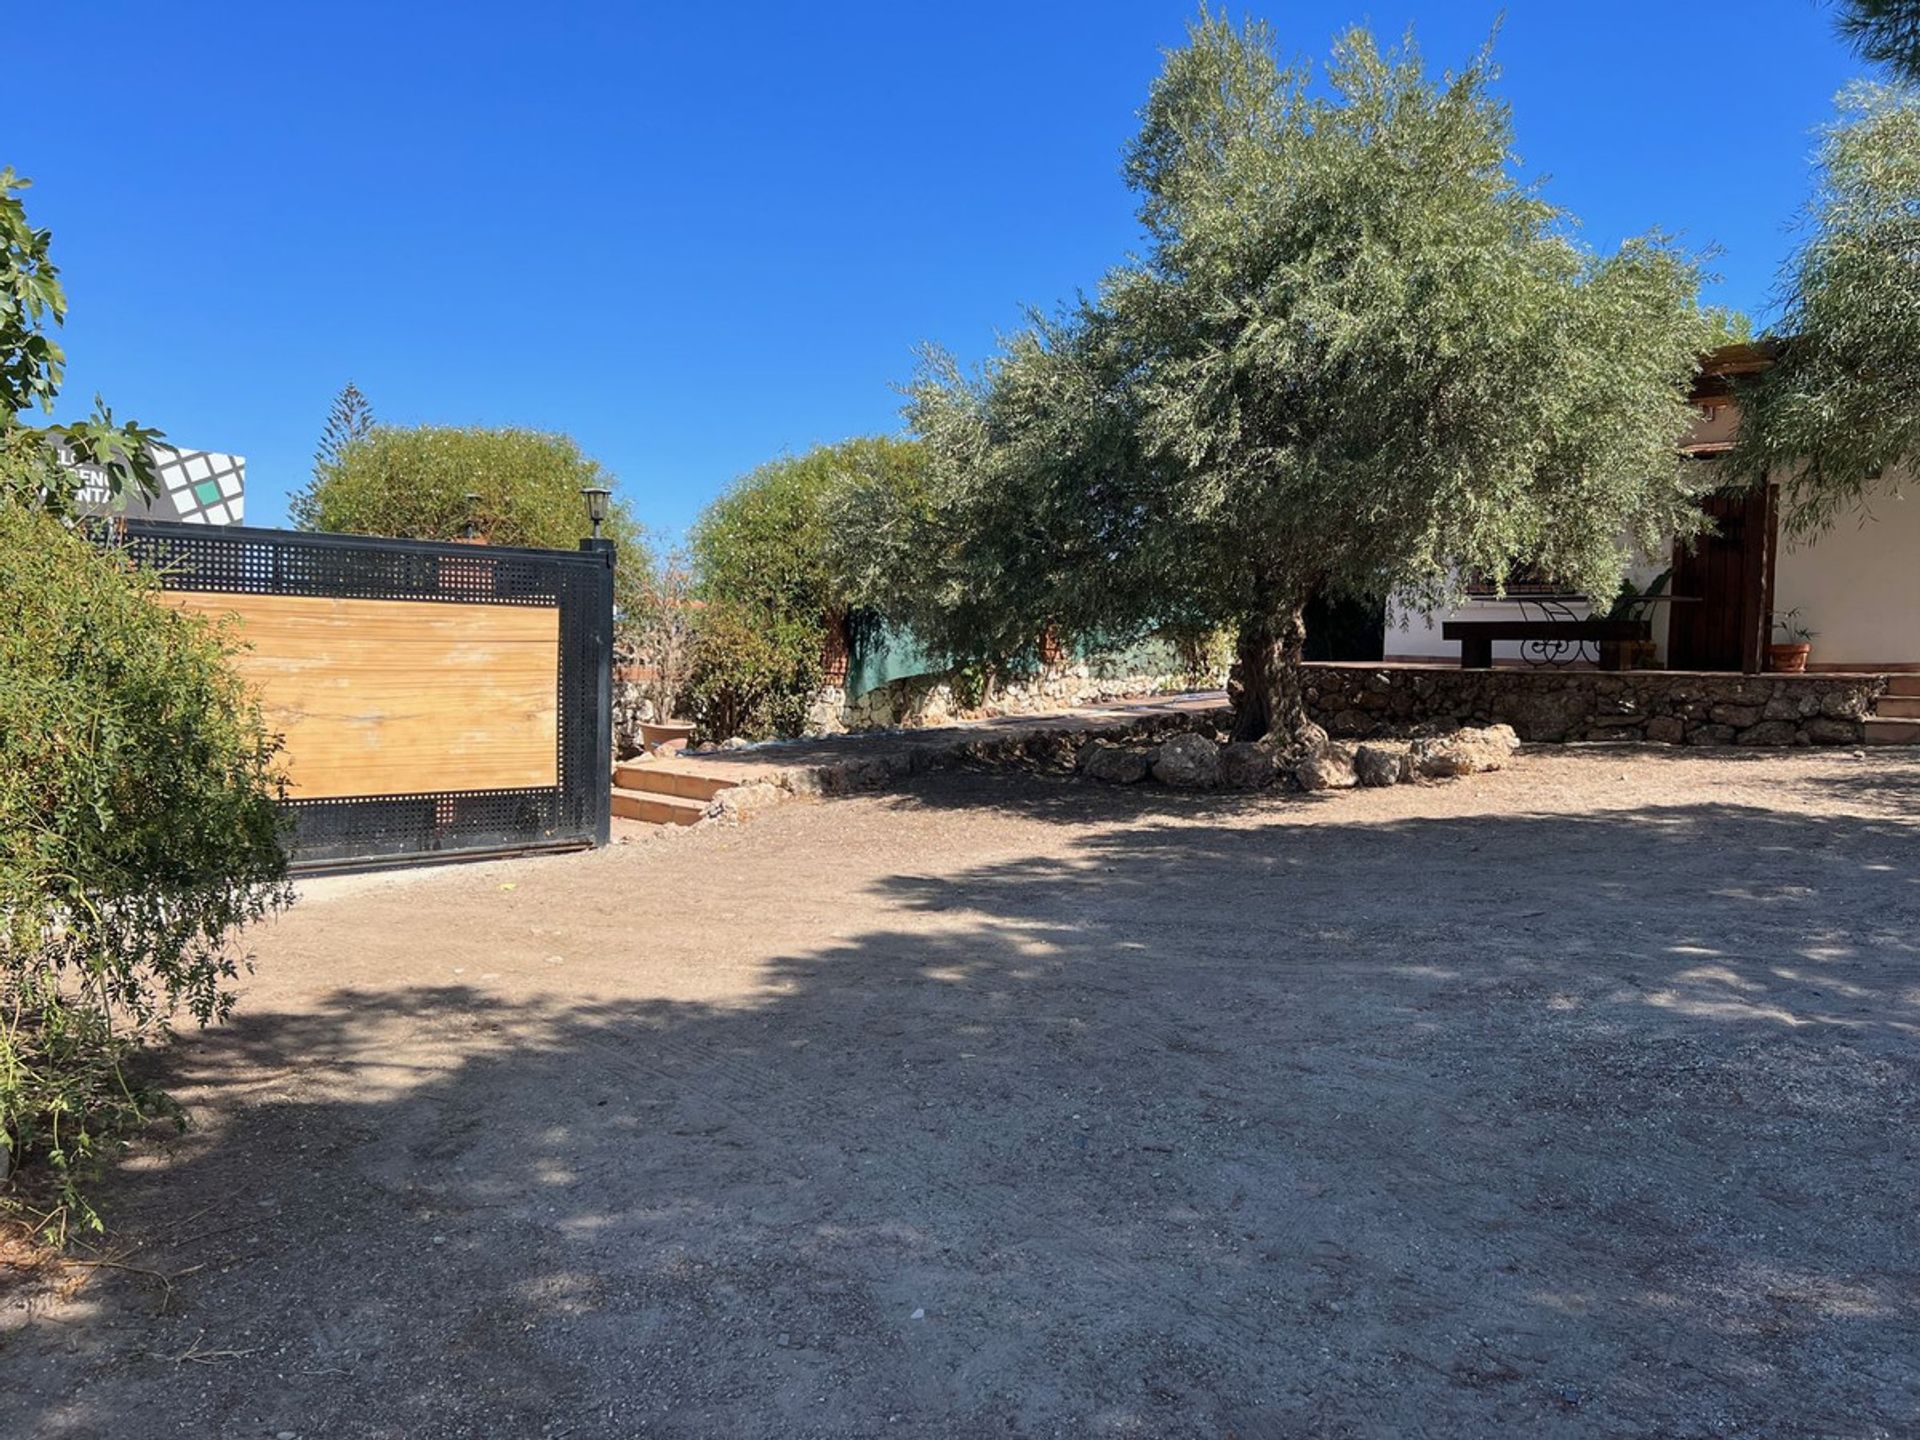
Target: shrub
(414, 483)
(749, 678)
(138, 830)
(766, 550)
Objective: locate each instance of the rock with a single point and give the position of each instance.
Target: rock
(1545, 714)
(1710, 735)
(1787, 705)
(735, 742)
(1832, 732)
(743, 802)
(1666, 729)
(1378, 765)
(1769, 732)
(1330, 767)
(1464, 752)
(1188, 762)
(1248, 765)
(1738, 716)
(1113, 764)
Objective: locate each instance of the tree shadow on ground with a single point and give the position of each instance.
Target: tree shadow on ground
(1601, 1123)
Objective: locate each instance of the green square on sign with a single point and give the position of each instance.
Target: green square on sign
(206, 492)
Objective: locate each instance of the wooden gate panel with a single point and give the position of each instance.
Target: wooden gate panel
(382, 697)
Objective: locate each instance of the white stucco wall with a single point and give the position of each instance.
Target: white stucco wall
(1858, 586)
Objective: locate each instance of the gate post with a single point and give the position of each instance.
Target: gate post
(601, 779)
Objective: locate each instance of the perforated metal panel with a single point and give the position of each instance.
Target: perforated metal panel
(388, 827)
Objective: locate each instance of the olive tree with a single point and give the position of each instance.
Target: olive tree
(1358, 357)
(1836, 420)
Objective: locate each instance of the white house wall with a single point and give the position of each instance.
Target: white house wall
(1858, 587)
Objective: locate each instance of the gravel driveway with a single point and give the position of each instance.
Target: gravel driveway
(1575, 1100)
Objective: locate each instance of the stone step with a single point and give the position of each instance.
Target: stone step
(1903, 685)
(1898, 707)
(657, 809)
(670, 778)
(1882, 731)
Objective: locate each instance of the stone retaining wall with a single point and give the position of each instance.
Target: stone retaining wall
(930, 700)
(1544, 704)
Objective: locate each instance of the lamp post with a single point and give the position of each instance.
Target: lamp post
(471, 531)
(596, 497)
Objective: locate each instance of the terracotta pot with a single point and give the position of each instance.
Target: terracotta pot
(664, 736)
(1788, 659)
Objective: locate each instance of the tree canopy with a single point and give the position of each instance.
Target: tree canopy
(770, 565)
(1837, 418)
(1359, 357)
(413, 483)
(32, 305)
(1885, 32)
(349, 418)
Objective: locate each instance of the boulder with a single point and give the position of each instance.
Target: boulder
(1188, 762)
(1113, 764)
(743, 802)
(1710, 735)
(1329, 767)
(1738, 716)
(1464, 752)
(1769, 732)
(1378, 765)
(1248, 765)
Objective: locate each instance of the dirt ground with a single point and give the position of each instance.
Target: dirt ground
(1576, 1100)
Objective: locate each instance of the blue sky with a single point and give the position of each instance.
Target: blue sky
(696, 236)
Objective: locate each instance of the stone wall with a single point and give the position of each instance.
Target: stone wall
(1544, 704)
(924, 700)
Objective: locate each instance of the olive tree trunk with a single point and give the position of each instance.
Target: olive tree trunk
(1271, 703)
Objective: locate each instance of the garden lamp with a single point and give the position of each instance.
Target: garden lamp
(472, 530)
(596, 496)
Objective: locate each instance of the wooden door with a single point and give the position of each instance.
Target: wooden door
(1723, 586)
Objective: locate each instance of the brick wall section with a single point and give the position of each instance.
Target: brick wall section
(1544, 704)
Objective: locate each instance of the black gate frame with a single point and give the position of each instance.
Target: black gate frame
(369, 830)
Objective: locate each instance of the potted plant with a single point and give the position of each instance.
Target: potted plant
(1633, 603)
(1788, 655)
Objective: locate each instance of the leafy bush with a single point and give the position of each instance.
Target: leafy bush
(138, 830)
(749, 678)
(414, 483)
(766, 553)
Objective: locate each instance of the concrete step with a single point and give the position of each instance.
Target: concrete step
(1881, 731)
(657, 809)
(1903, 685)
(1898, 707)
(665, 777)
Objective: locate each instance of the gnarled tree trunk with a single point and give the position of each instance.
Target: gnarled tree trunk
(1271, 702)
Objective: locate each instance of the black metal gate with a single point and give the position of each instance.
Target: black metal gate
(376, 828)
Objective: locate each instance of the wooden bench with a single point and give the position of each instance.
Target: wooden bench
(1476, 637)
